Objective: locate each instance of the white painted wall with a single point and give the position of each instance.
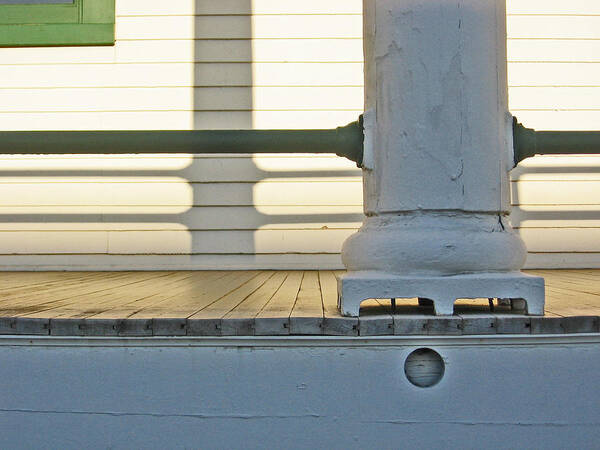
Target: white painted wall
(554, 73)
(496, 393)
(186, 64)
(259, 64)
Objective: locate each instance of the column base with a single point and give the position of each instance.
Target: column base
(356, 287)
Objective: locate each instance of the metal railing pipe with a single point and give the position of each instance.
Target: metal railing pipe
(529, 142)
(346, 141)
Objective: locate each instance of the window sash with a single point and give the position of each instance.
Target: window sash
(40, 13)
(83, 22)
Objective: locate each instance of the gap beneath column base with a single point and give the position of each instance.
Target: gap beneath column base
(356, 287)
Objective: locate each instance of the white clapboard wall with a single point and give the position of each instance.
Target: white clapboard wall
(205, 64)
(554, 77)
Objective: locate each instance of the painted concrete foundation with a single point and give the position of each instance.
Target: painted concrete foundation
(510, 392)
(438, 140)
(355, 287)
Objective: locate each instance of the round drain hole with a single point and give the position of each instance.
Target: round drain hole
(424, 367)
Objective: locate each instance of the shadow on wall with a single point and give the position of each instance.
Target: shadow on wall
(556, 207)
(185, 204)
(259, 219)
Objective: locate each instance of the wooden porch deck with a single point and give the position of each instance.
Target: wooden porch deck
(263, 303)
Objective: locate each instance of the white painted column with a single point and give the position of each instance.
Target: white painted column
(438, 148)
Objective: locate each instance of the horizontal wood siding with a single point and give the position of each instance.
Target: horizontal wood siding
(204, 64)
(554, 74)
(188, 64)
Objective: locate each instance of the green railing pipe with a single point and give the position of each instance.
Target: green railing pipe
(529, 142)
(346, 141)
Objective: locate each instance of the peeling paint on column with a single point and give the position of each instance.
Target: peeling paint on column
(436, 187)
(441, 106)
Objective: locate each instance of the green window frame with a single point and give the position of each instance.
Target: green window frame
(82, 22)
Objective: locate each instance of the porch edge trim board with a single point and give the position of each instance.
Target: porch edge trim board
(422, 325)
(298, 341)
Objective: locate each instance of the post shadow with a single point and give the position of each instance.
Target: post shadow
(223, 59)
(236, 68)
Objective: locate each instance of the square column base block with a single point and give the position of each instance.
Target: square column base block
(356, 287)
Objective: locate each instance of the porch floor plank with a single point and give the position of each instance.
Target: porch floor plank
(333, 323)
(274, 318)
(29, 301)
(278, 303)
(199, 295)
(306, 317)
(207, 321)
(135, 304)
(100, 301)
(240, 320)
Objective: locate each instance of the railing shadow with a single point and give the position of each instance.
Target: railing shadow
(556, 210)
(237, 71)
(223, 77)
(550, 209)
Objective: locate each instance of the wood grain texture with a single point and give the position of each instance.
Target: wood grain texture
(208, 320)
(274, 317)
(197, 298)
(240, 320)
(265, 303)
(333, 322)
(306, 316)
(158, 299)
(375, 318)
